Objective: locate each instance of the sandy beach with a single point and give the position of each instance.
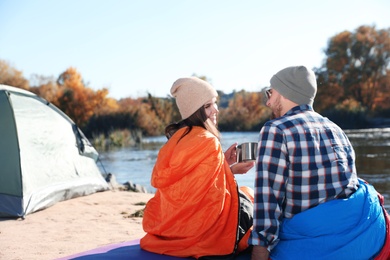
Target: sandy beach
(73, 226)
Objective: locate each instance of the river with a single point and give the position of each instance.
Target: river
(372, 147)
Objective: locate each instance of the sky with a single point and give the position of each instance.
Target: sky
(133, 48)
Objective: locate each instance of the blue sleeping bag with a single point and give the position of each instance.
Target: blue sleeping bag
(352, 228)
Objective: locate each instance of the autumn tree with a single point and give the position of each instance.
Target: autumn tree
(141, 115)
(355, 72)
(78, 101)
(11, 76)
(45, 87)
(245, 112)
(165, 109)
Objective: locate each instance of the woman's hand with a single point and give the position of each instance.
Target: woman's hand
(242, 167)
(231, 155)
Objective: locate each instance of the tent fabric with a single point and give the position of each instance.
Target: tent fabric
(9, 149)
(44, 156)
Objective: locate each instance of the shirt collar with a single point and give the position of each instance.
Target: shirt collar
(298, 109)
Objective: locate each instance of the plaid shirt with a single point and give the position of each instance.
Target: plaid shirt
(304, 159)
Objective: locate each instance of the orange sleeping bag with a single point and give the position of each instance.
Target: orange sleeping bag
(195, 209)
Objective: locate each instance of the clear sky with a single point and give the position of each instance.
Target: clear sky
(134, 47)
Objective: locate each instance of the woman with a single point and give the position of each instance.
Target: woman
(198, 210)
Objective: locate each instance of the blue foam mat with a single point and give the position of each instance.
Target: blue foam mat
(126, 250)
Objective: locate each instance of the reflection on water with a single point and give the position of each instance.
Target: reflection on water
(369, 137)
(372, 147)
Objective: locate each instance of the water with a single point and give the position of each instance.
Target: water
(372, 147)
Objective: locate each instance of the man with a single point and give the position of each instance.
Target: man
(309, 202)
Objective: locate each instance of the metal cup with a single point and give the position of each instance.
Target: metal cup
(246, 152)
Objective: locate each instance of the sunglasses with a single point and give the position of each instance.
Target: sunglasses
(268, 93)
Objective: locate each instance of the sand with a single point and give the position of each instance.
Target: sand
(73, 226)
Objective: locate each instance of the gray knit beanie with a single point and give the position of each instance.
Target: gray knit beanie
(297, 84)
(191, 94)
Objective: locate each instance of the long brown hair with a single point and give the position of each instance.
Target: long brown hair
(199, 118)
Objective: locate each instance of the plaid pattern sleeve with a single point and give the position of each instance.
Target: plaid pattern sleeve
(270, 186)
(303, 159)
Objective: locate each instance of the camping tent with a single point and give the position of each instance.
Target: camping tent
(44, 157)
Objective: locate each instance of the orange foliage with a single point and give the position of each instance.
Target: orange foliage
(245, 112)
(356, 69)
(107, 105)
(146, 118)
(338, 45)
(48, 91)
(12, 77)
(78, 101)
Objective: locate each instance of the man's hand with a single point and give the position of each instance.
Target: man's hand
(260, 253)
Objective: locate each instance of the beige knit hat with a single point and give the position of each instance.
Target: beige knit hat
(191, 94)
